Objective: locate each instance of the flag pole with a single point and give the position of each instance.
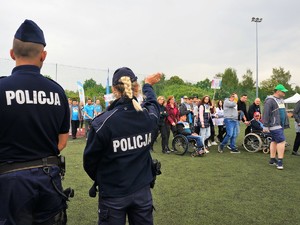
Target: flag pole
(107, 87)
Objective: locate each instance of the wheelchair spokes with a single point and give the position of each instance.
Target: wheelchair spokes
(180, 144)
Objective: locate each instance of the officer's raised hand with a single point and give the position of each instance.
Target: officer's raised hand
(153, 79)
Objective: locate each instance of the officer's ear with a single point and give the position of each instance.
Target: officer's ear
(43, 56)
(12, 54)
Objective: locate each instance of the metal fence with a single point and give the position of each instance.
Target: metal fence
(67, 76)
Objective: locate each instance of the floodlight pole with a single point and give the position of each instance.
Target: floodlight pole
(256, 20)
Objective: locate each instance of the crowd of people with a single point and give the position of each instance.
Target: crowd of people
(119, 141)
(201, 117)
(82, 114)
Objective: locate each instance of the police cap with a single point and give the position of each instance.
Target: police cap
(124, 71)
(29, 31)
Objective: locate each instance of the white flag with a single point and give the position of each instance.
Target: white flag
(81, 92)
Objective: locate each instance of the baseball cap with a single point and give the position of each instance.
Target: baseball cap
(185, 96)
(29, 31)
(280, 87)
(121, 72)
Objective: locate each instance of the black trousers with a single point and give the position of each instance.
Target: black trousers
(75, 125)
(137, 206)
(212, 132)
(162, 129)
(296, 142)
(28, 196)
(221, 133)
(168, 129)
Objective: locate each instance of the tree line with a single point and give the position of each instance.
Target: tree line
(177, 87)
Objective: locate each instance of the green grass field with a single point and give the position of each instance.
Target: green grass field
(223, 189)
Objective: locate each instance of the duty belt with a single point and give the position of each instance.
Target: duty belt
(17, 166)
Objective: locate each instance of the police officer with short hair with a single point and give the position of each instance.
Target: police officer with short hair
(35, 123)
(117, 154)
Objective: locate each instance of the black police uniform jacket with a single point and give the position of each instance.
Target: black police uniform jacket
(117, 154)
(34, 111)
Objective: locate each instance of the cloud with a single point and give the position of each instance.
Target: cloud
(194, 39)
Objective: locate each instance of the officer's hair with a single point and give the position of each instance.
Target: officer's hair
(26, 49)
(126, 88)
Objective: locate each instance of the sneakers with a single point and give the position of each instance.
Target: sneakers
(166, 151)
(273, 162)
(199, 153)
(279, 165)
(295, 153)
(206, 151)
(234, 151)
(228, 146)
(220, 150)
(214, 143)
(209, 144)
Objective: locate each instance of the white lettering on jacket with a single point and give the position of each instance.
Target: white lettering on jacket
(31, 97)
(131, 143)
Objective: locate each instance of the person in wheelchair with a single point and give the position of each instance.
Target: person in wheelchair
(256, 126)
(183, 128)
(255, 123)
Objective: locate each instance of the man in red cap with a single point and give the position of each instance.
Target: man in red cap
(255, 123)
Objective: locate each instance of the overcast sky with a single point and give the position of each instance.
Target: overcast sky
(194, 39)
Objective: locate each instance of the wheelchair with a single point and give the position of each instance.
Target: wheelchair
(257, 141)
(181, 145)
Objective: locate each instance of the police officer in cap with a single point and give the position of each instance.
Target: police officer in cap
(35, 124)
(117, 154)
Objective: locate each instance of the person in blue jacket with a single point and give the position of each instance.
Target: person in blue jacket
(117, 154)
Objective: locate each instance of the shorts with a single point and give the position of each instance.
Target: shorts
(277, 135)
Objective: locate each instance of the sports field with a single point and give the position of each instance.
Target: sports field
(219, 189)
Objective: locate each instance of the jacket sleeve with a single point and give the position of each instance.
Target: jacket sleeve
(250, 112)
(296, 112)
(182, 108)
(151, 103)
(229, 104)
(201, 117)
(169, 117)
(255, 125)
(267, 113)
(92, 154)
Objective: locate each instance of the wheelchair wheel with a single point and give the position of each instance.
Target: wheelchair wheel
(267, 141)
(180, 144)
(252, 142)
(266, 150)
